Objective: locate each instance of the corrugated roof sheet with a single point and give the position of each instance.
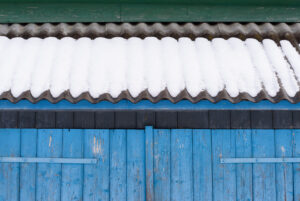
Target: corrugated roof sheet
(189, 61)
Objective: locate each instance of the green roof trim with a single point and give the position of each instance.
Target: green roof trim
(156, 11)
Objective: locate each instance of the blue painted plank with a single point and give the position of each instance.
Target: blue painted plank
(202, 165)
(243, 171)
(9, 172)
(48, 183)
(118, 183)
(96, 177)
(27, 170)
(136, 165)
(224, 175)
(149, 149)
(284, 171)
(296, 167)
(72, 178)
(264, 187)
(162, 164)
(181, 165)
(148, 105)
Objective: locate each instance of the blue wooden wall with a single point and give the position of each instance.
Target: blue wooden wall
(150, 164)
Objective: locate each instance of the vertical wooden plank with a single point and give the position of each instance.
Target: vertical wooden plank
(296, 166)
(149, 148)
(224, 175)
(202, 165)
(181, 165)
(243, 171)
(48, 181)
(162, 164)
(263, 174)
(96, 177)
(118, 171)
(72, 178)
(284, 171)
(9, 172)
(28, 170)
(136, 165)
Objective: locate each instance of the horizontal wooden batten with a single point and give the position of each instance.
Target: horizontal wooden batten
(48, 160)
(260, 160)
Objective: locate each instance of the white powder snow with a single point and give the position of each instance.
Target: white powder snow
(136, 81)
(191, 67)
(282, 67)
(248, 78)
(153, 66)
(24, 68)
(227, 66)
(263, 67)
(292, 55)
(172, 66)
(41, 75)
(61, 68)
(98, 76)
(115, 65)
(209, 67)
(80, 67)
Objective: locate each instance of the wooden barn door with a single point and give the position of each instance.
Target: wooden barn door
(150, 164)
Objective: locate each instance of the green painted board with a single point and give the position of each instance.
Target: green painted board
(22, 11)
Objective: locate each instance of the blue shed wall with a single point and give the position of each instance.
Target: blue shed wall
(150, 164)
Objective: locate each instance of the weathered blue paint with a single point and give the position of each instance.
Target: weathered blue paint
(151, 164)
(72, 179)
(28, 170)
(202, 164)
(147, 105)
(243, 146)
(264, 184)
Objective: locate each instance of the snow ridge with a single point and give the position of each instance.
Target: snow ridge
(111, 66)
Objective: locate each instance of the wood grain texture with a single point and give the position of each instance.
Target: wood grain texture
(150, 164)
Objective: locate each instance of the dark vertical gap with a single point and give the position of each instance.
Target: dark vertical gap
(61, 155)
(153, 162)
(193, 180)
(145, 164)
(293, 155)
(36, 165)
(83, 166)
(274, 155)
(211, 164)
(109, 162)
(170, 156)
(235, 165)
(126, 133)
(20, 164)
(252, 164)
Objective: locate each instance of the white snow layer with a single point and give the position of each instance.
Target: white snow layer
(115, 65)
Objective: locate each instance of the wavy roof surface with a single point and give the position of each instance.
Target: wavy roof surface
(112, 62)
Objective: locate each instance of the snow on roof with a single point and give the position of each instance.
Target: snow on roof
(134, 69)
